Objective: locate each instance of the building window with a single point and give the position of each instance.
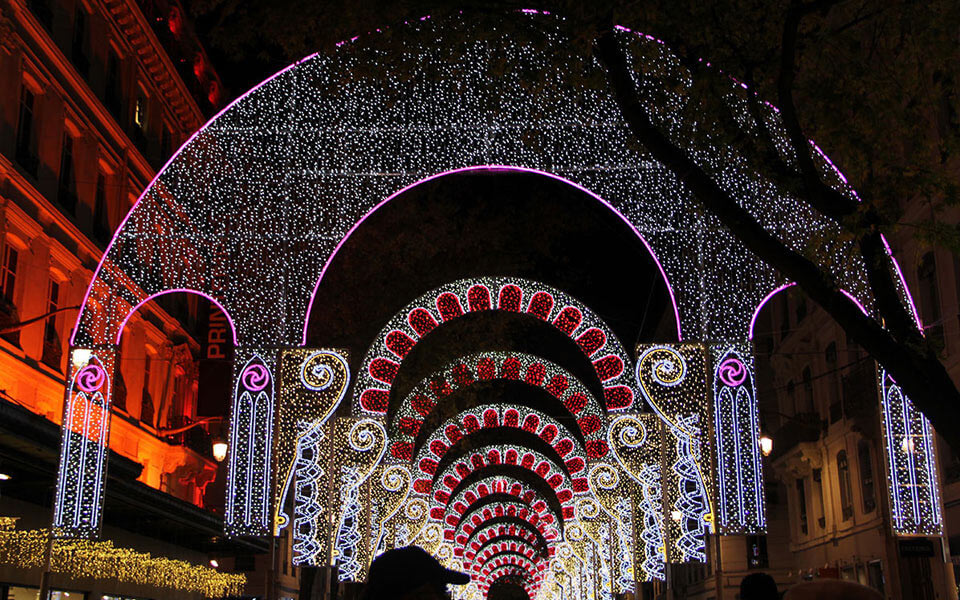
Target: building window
(166, 143)
(818, 498)
(113, 92)
(807, 392)
(757, 552)
(53, 303)
(101, 221)
(11, 258)
(78, 47)
(930, 298)
(52, 349)
(140, 113)
(866, 476)
(792, 397)
(26, 152)
(784, 317)
(146, 400)
(802, 506)
(801, 308)
(67, 183)
(8, 286)
(833, 375)
(846, 490)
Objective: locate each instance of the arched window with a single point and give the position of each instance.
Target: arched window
(846, 491)
(866, 476)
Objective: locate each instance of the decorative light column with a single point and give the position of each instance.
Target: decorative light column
(911, 463)
(85, 440)
(736, 430)
(249, 470)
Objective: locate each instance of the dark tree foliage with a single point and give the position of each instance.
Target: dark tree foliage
(873, 82)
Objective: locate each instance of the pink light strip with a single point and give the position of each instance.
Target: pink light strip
(96, 273)
(575, 185)
(756, 313)
(174, 291)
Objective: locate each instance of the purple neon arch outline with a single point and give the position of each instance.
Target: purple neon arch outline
(103, 258)
(510, 168)
(238, 99)
(756, 313)
(123, 324)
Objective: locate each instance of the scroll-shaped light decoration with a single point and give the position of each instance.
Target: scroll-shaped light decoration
(84, 444)
(251, 443)
(616, 493)
(313, 382)
(390, 489)
(673, 380)
(911, 463)
(736, 426)
(635, 443)
(360, 446)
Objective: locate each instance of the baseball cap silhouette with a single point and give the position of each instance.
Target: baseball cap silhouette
(401, 570)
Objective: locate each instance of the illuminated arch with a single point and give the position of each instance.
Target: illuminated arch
(420, 403)
(506, 542)
(479, 516)
(180, 215)
(543, 467)
(134, 308)
(507, 558)
(528, 420)
(491, 531)
(596, 340)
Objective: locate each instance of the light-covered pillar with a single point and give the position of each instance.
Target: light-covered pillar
(249, 469)
(84, 448)
(736, 430)
(910, 459)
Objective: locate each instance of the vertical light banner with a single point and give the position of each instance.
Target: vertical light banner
(673, 381)
(248, 505)
(911, 463)
(84, 445)
(313, 383)
(635, 443)
(736, 430)
(616, 495)
(359, 446)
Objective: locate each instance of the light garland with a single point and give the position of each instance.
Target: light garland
(104, 561)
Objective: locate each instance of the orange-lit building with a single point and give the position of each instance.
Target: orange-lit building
(97, 95)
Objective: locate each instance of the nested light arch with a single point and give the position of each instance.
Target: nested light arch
(476, 534)
(505, 542)
(483, 547)
(535, 422)
(495, 528)
(596, 340)
(481, 516)
(429, 393)
(446, 481)
(497, 485)
(529, 507)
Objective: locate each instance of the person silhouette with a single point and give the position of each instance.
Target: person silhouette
(758, 586)
(410, 573)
